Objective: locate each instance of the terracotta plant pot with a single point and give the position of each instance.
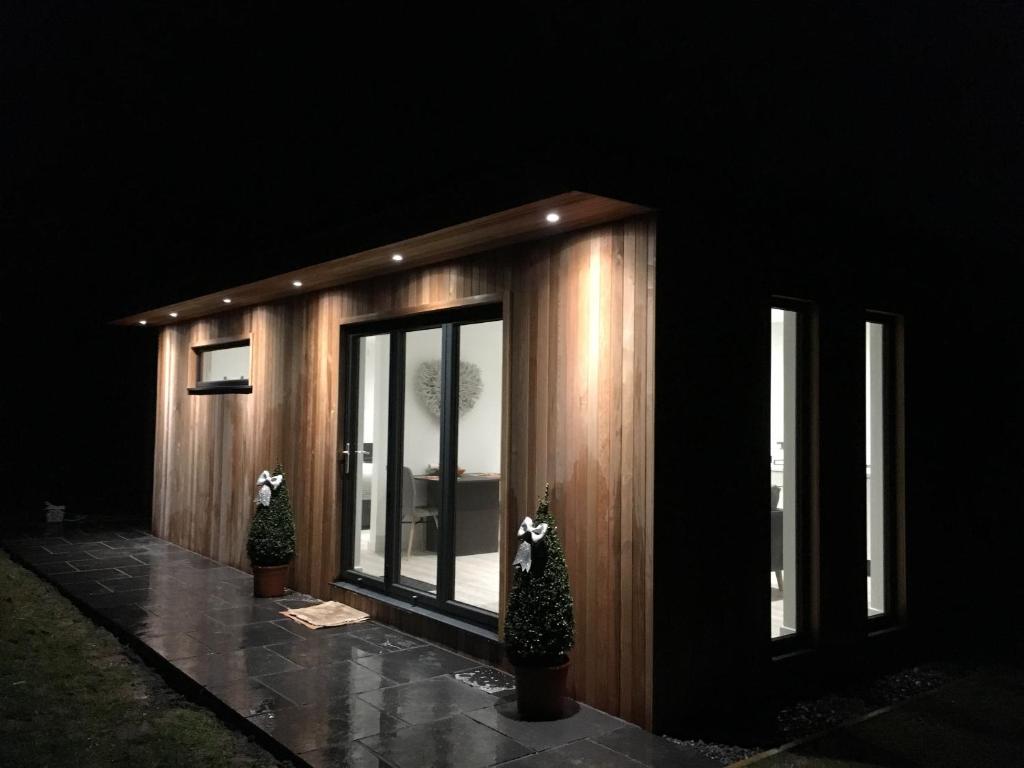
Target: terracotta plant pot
(269, 580)
(540, 691)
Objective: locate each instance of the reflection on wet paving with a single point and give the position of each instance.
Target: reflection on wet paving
(428, 700)
(455, 741)
(359, 695)
(324, 685)
(329, 650)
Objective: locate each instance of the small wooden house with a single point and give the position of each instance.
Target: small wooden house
(421, 394)
(408, 489)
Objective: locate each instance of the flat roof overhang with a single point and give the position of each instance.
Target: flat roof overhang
(575, 210)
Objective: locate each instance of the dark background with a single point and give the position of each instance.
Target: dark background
(156, 151)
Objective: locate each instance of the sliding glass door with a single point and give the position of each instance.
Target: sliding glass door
(421, 460)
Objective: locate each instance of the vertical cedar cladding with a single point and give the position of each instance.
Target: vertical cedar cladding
(579, 324)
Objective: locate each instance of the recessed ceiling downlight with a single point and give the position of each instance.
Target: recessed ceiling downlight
(397, 257)
(297, 283)
(174, 314)
(552, 218)
(226, 301)
(142, 322)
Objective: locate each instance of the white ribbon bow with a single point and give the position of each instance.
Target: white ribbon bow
(530, 535)
(267, 485)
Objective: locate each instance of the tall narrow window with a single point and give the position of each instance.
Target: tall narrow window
(785, 472)
(878, 460)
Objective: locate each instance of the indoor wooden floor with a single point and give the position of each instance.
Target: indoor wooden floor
(776, 608)
(476, 576)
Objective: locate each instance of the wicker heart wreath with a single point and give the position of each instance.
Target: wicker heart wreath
(428, 383)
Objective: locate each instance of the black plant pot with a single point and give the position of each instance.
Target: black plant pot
(540, 691)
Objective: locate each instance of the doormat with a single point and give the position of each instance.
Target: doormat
(329, 614)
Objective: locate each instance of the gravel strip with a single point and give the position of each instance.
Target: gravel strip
(804, 718)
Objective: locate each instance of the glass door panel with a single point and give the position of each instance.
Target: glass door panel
(366, 455)
(420, 487)
(477, 507)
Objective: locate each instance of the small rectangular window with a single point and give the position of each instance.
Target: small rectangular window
(222, 368)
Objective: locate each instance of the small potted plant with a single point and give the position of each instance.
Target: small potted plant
(271, 544)
(539, 625)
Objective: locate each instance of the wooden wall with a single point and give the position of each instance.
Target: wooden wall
(579, 310)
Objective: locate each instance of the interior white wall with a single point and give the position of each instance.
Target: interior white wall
(368, 380)
(480, 428)
(867, 389)
(867, 428)
(422, 446)
(776, 427)
(790, 471)
(875, 442)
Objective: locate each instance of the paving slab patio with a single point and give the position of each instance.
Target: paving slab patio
(361, 695)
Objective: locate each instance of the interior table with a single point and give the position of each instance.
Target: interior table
(477, 515)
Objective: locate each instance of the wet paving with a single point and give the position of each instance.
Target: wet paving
(359, 695)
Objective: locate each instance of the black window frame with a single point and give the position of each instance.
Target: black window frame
(449, 320)
(229, 387)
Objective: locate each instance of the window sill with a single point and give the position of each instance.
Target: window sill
(226, 389)
(884, 625)
(786, 655)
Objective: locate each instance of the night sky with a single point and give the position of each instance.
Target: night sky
(158, 151)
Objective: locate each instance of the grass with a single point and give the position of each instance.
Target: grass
(72, 695)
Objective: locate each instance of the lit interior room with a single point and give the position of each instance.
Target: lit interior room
(477, 485)
(783, 470)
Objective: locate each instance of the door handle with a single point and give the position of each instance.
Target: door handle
(347, 453)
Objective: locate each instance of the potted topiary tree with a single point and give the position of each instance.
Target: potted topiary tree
(539, 625)
(271, 544)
